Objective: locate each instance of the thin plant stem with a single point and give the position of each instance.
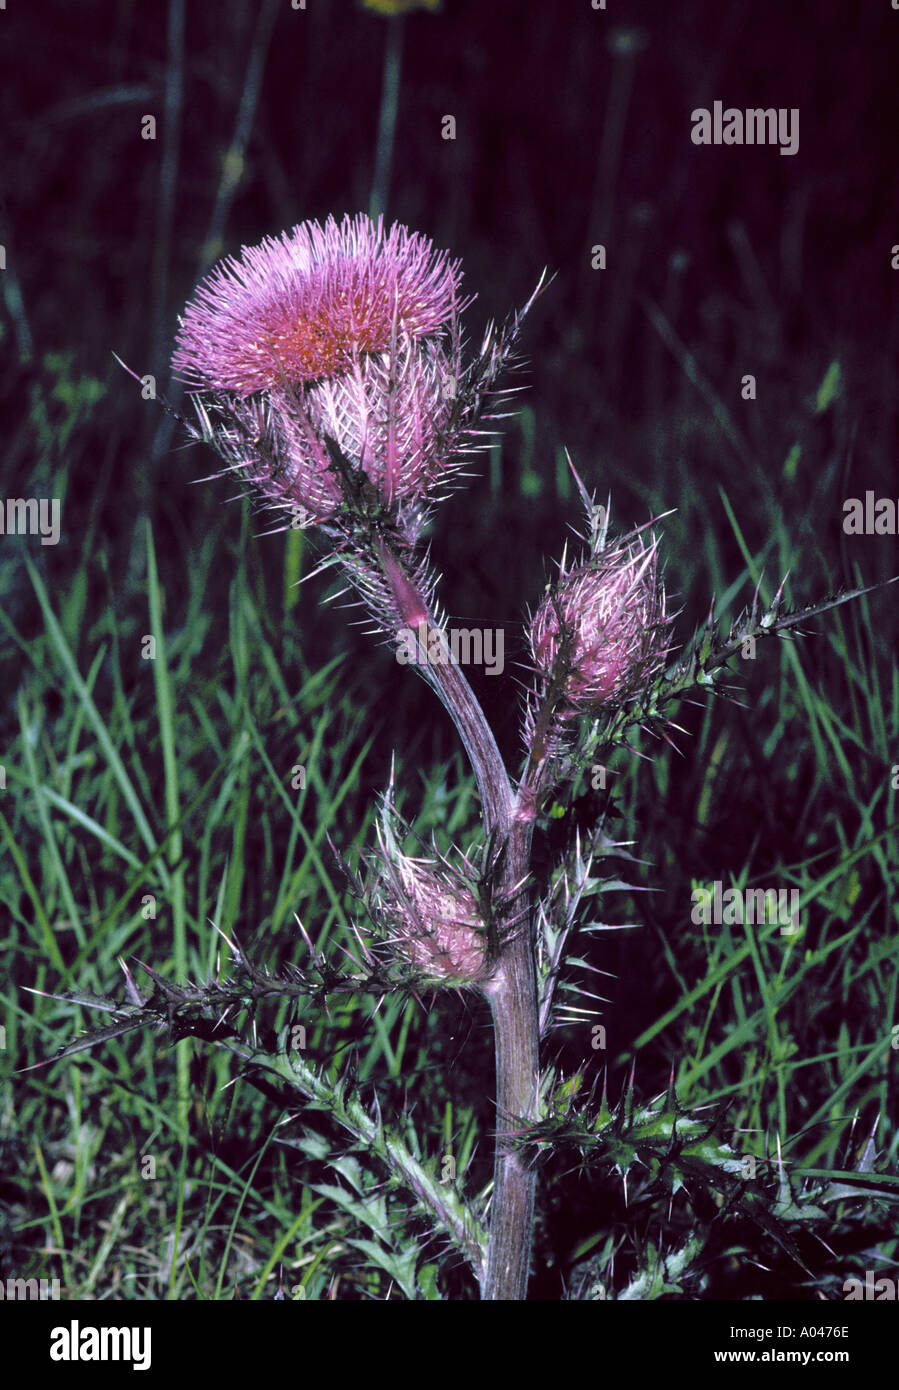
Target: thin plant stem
(390, 99)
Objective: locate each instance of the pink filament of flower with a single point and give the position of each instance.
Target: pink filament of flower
(308, 305)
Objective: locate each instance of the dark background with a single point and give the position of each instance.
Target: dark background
(573, 127)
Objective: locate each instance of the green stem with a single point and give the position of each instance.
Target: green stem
(390, 100)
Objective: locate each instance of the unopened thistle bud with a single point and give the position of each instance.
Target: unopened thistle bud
(601, 631)
(430, 916)
(337, 335)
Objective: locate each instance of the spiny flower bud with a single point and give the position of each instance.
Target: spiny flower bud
(430, 917)
(601, 630)
(337, 335)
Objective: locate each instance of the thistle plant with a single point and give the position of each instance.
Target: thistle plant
(328, 371)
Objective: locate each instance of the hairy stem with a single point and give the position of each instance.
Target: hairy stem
(447, 679)
(459, 699)
(512, 993)
(512, 989)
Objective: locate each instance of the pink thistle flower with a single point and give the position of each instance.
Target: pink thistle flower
(337, 335)
(326, 367)
(311, 303)
(602, 629)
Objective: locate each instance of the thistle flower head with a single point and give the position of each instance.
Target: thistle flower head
(428, 913)
(312, 304)
(601, 629)
(326, 367)
(327, 361)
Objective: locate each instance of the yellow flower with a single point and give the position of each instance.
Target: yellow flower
(395, 7)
